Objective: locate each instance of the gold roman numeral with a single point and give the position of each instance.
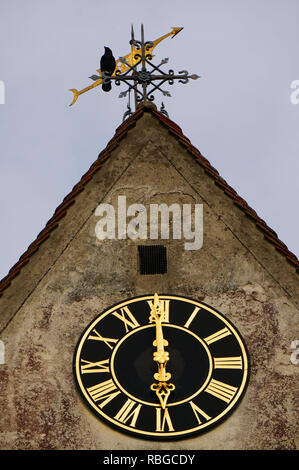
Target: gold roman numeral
(97, 337)
(221, 390)
(105, 391)
(130, 410)
(127, 318)
(197, 411)
(165, 307)
(192, 316)
(217, 336)
(94, 367)
(161, 421)
(228, 362)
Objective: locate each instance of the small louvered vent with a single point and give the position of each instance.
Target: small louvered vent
(152, 259)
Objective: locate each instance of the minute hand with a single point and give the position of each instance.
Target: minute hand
(162, 388)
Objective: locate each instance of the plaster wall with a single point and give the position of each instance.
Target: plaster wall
(74, 276)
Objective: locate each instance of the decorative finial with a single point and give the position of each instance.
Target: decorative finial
(132, 35)
(139, 74)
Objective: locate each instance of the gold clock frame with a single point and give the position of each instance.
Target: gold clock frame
(175, 434)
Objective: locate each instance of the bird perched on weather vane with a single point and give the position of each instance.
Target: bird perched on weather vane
(137, 71)
(107, 68)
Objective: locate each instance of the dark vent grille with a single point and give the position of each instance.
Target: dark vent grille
(152, 259)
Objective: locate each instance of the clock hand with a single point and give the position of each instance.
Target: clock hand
(160, 356)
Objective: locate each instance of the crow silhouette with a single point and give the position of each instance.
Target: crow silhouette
(107, 65)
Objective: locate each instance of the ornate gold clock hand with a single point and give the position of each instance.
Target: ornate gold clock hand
(121, 66)
(160, 356)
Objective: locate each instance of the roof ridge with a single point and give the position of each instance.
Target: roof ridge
(120, 132)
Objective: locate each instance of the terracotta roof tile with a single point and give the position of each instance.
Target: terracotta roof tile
(121, 133)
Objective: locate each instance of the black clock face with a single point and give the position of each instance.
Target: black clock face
(161, 377)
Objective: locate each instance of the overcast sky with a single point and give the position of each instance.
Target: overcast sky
(239, 114)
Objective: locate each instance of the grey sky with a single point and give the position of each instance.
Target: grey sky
(238, 114)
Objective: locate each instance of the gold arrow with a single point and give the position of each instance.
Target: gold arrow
(173, 33)
(122, 67)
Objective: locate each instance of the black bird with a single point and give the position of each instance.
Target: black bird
(107, 65)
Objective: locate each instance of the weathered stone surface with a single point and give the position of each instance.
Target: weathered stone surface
(74, 276)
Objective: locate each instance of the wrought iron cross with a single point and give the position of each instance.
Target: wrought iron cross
(141, 76)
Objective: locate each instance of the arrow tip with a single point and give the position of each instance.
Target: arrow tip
(175, 31)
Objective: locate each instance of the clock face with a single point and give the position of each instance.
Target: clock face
(161, 366)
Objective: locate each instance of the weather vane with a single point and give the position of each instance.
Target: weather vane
(137, 72)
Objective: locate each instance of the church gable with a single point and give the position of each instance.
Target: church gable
(121, 154)
(85, 262)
